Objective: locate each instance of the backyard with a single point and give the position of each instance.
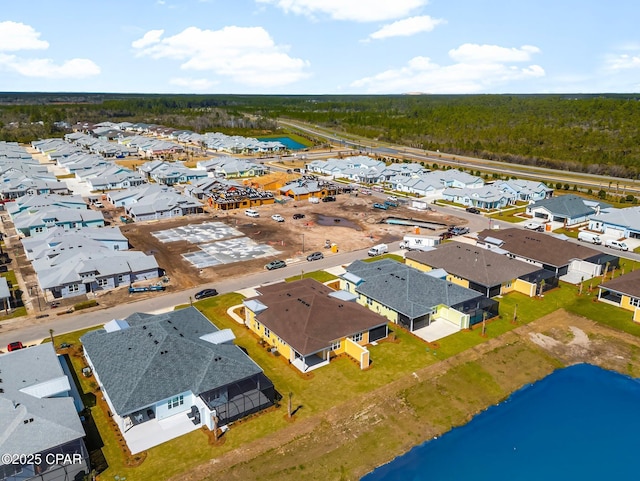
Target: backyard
(341, 383)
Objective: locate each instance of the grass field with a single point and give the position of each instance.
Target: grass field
(393, 359)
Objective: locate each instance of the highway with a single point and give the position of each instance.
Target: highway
(617, 185)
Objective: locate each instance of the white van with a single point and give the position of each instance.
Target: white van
(378, 250)
(589, 237)
(251, 213)
(614, 244)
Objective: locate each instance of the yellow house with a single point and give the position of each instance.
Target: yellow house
(308, 323)
(623, 291)
(487, 272)
(413, 298)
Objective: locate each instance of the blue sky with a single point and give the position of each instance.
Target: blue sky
(320, 46)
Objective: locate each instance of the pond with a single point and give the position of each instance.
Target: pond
(329, 220)
(287, 141)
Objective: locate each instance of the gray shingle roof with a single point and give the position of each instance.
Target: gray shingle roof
(570, 206)
(160, 356)
(407, 290)
(28, 376)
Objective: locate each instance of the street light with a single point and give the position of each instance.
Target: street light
(303, 243)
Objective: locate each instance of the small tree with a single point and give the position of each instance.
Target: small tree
(51, 336)
(289, 405)
(542, 284)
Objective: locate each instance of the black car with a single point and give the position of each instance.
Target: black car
(277, 264)
(473, 210)
(315, 256)
(329, 198)
(298, 216)
(206, 293)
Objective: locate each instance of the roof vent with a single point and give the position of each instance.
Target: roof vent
(155, 341)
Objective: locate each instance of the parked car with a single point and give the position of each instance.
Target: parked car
(377, 205)
(473, 210)
(329, 198)
(277, 218)
(206, 293)
(14, 346)
(251, 213)
(315, 256)
(392, 198)
(534, 226)
(459, 230)
(99, 205)
(298, 216)
(390, 203)
(277, 264)
(614, 244)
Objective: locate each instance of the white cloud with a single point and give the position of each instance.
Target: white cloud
(473, 53)
(474, 74)
(47, 68)
(407, 27)
(621, 62)
(352, 10)
(16, 36)
(149, 38)
(246, 55)
(196, 85)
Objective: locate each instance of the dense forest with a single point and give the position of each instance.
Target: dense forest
(598, 134)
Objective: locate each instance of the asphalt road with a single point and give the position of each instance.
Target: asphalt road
(30, 330)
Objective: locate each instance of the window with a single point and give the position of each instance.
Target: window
(508, 284)
(281, 341)
(120, 277)
(357, 337)
(39, 229)
(369, 301)
(335, 345)
(74, 288)
(257, 324)
(634, 301)
(104, 282)
(267, 332)
(175, 402)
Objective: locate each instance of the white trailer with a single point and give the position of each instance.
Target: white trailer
(419, 242)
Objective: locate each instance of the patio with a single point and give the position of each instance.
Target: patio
(437, 329)
(153, 432)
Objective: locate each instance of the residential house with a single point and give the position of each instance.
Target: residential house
(308, 323)
(227, 195)
(170, 173)
(33, 203)
(308, 186)
(568, 209)
(567, 260)
(482, 270)
(16, 184)
(624, 292)
(232, 168)
(487, 197)
(83, 270)
(29, 223)
(39, 419)
(175, 368)
(525, 190)
(617, 223)
(412, 298)
(58, 239)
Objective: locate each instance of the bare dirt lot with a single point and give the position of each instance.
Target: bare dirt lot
(352, 224)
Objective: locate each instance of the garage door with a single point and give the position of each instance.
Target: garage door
(615, 233)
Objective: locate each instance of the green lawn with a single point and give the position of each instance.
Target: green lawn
(331, 385)
(17, 312)
(315, 393)
(395, 257)
(508, 215)
(568, 232)
(320, 276)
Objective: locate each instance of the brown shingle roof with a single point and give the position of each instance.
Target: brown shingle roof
(303, 315)
(627, 284)
(473, 263)
(538, 246)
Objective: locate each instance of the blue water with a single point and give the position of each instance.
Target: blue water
(287, 141)
(579, 423)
